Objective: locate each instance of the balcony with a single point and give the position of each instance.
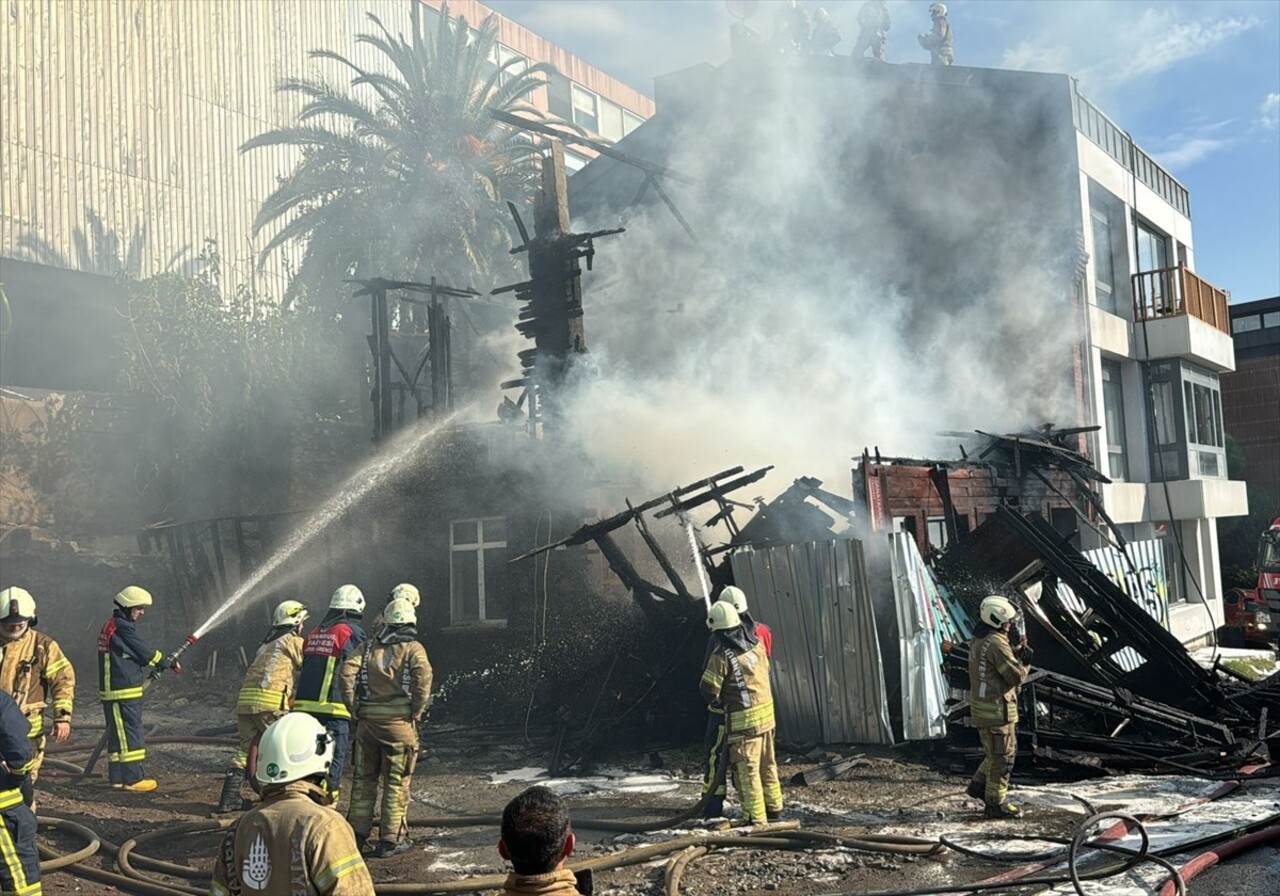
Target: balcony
(1180, 315)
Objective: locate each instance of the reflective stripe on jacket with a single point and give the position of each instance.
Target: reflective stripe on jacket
(387, 681)
(270, 679)
(740, 683)
(122, 657)
(291, 845)
(994, 677)
(38, 674)
(325, 650)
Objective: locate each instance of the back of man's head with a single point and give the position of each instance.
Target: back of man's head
(535, 831)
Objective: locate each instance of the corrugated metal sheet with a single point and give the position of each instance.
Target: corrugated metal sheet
(1148, 586)
(827, 675)
(920, 614)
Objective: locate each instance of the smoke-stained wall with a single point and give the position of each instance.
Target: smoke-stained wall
(880, 254)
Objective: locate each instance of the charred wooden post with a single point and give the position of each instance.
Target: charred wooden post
(384, 357)
(551, 310)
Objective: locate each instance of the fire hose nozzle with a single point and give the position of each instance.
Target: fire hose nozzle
(172, 659)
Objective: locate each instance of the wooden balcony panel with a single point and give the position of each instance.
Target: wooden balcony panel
(1172, 291)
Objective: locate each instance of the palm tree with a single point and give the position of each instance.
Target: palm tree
(99, 250)
(403, 175)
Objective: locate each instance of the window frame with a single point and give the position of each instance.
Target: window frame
(576, 92)
(1117, 442)
(479, 548)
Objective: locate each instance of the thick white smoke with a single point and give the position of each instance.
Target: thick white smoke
(877, 260)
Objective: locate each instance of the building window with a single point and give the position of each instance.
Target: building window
(574, 162)
(1113, 421)
(1104, 272)
(585, 114)
(1168, 453)
(1246, 324)
(1153, 255)
(559, 102)
(1203, 408)
(610, 120)
(477, 562)
(936, 532)
(1271, 319)
(630, 122)
(517, 67)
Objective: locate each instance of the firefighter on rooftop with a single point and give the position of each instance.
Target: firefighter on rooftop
(938, 40)
(388, 685)
(35, 672)
(267, 692)
(995, 675)
(736, 679)
(326, 648)
(123, 657)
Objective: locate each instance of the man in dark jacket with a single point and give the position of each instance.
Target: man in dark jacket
(537, 840)
(20, 870)
(326, 648)
(123, 660)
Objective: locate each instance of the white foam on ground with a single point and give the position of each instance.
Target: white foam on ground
(606, 780)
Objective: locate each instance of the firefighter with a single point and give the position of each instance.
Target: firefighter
(995, 674)
(326, 648)
(388, 685)
(123, 658)
(873, 30)
(713, 741)
(267, 692)
(20, 870)
(403, 591)
(35, 671)
(293, 842)
(736, 679)
(537, 839)
(938, 40)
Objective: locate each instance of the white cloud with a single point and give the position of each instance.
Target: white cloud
(1269, 112)
(1192, 150)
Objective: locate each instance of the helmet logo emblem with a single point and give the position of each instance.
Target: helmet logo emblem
(273, 770)
(256, 870)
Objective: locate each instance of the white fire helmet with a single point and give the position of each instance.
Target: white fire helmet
(294, 746)
(399, 612)
(735, 597)
(347, 597)
(290, 612)
(996, 610)
(405, 591)
(937, 9)
(19, 609)
(723, 616)
(133, 596)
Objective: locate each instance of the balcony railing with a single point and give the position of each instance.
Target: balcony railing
(1172, 291)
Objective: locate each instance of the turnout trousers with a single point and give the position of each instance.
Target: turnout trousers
(20, 871)
(126, 746)
(713, 747)
(386, 752)
(755, 775)
(249, 727)
(341, 731)
(999, 749)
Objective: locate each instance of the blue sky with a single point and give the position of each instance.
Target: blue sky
(1197, 83)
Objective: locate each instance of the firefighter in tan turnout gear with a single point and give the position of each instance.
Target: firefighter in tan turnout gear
(267, 693)
(995, 674)
(35, 672)
(736, 678)
(387, 684)
(403, 591)
(293, 842)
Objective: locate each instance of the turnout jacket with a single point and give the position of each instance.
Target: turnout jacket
(326, 648)
(553, 883)
(37, 674)
(269, 682)
(122, 658)
(291, 844)
(15, 750)
(736, 678)
(390, 678)
(994, 678)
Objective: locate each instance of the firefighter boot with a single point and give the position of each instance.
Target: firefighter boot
(976, 790)
(387, 848)
(1004, 810)
(229, 801)
(714, 807)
